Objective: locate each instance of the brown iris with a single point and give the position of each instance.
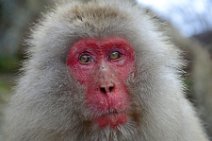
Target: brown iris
(85, 59)
(115, 55)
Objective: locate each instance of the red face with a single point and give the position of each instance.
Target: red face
(103, 67)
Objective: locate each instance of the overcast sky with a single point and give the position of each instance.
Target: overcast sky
(189, 16)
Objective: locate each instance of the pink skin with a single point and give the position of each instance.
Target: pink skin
(104, 77)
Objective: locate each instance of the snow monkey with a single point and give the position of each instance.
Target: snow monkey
(101, 71)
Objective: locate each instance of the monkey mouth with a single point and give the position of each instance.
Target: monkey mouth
(112, 118)
(112, 112)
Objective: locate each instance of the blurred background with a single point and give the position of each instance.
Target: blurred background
(187, 22)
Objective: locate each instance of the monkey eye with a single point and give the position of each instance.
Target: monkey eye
(115, 55)
(85, 58)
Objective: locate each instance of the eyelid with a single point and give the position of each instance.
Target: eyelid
(85, 53)
(120, 50)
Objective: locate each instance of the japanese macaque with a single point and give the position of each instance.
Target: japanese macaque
(101, 71)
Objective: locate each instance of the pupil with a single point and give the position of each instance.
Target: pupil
(84, 59)
(115, 55)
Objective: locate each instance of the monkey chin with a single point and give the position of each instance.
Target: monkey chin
(112, 120)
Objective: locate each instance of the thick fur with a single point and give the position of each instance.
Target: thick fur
(48, 104)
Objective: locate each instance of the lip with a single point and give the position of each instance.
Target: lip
(112, 118)
(112, 112)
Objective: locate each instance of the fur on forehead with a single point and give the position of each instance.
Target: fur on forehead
(98, 19)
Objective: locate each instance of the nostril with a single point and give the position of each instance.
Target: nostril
(111, 88)
(103, 90)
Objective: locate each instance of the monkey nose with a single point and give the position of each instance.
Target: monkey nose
(107, 88)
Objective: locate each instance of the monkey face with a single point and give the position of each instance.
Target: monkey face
(102, 67)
